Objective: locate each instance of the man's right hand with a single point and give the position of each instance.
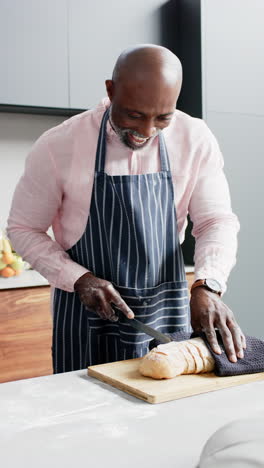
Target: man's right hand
(98, 294)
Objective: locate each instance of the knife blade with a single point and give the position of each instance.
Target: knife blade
(142, 327)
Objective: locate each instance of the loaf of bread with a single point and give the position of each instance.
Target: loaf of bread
(175, 358)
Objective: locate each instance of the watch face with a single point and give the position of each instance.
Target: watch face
(214, 285)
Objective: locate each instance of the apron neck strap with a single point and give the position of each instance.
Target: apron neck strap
(101, 148)
(164, 158)
(101, 144)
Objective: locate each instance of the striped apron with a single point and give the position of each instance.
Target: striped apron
(131, 239)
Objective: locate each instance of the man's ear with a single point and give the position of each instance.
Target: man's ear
(109, 84)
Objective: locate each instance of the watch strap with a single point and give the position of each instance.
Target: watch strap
(202, 283)
(197, 284)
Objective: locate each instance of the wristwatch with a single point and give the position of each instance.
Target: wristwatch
(210, 284)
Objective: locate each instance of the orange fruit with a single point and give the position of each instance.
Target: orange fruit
(7, 257)
(7, 272)
(17, 272)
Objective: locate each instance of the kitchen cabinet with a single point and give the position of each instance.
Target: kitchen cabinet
(57, 54)
(26, 332)
(97, 35)
(33, 53)
(190, 278)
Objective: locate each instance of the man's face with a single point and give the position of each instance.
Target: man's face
(140, 110)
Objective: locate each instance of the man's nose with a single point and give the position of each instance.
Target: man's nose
(147, 129)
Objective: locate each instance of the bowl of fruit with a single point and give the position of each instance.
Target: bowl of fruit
(11, 264)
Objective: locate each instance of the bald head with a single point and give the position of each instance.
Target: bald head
(147, 61)
(143, 91)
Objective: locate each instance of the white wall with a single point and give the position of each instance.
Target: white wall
(18, 132)
(233, 101)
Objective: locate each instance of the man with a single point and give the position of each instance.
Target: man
(116, 184)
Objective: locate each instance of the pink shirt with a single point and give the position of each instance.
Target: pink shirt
(55, 190)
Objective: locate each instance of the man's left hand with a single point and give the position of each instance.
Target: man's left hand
(209, 312)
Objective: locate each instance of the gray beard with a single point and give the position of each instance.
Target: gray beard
(122, 134)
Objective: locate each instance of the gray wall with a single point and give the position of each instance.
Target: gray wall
(18, 132)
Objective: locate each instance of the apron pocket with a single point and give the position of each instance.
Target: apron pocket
(164, 307)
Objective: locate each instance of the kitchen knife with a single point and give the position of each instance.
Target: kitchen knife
(142, 327)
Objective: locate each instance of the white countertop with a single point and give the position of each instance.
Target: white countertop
(72, 420)
(28, 278)
(189, 268)
(31, 278)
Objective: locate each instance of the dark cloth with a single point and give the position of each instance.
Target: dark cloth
(252, 362)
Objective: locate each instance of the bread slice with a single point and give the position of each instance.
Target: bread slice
(208, 360)
(196, 356)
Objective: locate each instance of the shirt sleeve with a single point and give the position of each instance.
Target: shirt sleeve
(215, 226)
(36, 203)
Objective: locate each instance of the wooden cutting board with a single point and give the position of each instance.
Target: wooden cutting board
(125, 376)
